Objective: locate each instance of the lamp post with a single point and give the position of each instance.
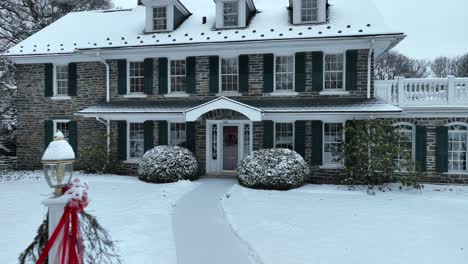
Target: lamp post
(58, 163)
(58, 169)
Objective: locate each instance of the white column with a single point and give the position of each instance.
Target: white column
(401, 90)
(451, 90)
(56, 208)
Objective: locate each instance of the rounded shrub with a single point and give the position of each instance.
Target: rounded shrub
(165, 164)
(275, 169)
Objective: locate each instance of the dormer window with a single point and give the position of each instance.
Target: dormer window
(234, 13)
(231, 14)
(309, 11)
(160, 18)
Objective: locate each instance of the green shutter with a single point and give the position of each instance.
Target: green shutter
(191, 75)
(244, 73)
(268, 130)
(48, 132)
(191, 136)
(148, 130)
(73, 135)
(72, 79)
(421, 147)
(162, 133)
(122, 76)
(442, 149)
(317, 71)
(300, 72)
(49, 79)
(214, 74)
(299, 137)
(163, 80)
(268, 78)
(122, 140)
(351, 70)
(148, 68)
(317, 143)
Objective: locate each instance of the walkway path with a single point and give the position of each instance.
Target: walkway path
(202, 234)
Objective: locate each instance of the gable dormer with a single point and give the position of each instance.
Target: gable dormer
(308, 11)
(164, 15)
(234, 13)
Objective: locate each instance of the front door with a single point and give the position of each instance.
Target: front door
(230, 147)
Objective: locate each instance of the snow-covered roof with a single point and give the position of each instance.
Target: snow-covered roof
(125, 28)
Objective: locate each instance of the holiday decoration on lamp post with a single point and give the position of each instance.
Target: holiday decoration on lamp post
(58, 163)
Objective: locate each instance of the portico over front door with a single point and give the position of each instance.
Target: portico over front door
(228, 142)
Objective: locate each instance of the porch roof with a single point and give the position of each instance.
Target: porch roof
(256, 106)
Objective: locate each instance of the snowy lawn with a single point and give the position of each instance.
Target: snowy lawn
(332, 225)
(136, 214)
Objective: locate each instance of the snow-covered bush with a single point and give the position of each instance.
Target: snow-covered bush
(164, 164)
(277, 169)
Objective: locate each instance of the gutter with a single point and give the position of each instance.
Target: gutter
(107, 75)
(369, 68)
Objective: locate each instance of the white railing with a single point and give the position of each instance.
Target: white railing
(448, 91)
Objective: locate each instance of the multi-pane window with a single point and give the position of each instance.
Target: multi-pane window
(284, 135)
(332, 142)
(177, 134)
(284, 73)
(458, 140)
(309, 10)
(159, 18)
(231, 14)
(334, 71)
(229, 75)
(136, 140)
(178, 75)
(62, 79)
(63, 127)
(136, 77)
(407, 145)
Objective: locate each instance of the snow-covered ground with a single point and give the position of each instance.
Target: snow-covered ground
(332, 225)
(136, 214)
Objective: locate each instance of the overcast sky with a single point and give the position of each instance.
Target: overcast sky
(434, 28)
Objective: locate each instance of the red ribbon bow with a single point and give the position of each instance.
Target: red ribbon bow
(70, 249)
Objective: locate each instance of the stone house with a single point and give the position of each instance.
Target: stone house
(223, 78)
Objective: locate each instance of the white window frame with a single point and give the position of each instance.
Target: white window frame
(337, 163)
(129, 77)
(170, 134)
(302, 11)
(292, 91)
(325, 71)
(133, 159)
(242, 16)
(57, 96)
(153, 18)
(297, 12)
(176, 93)
(169, 16)
(275, 142)
(451, 171)
(413, 142)
(238, 14)
(236, 92)
(67, 121)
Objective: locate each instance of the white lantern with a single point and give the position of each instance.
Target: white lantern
(58, 163)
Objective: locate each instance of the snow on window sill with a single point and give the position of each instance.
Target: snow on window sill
(136, 95)
(456, 173)
(284, 93)
(177, 94)
(61, 97)
(332, 167)
(132, 161)
(229, 94)
(334, 92)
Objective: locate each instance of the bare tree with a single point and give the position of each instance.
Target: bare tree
(444, 66)
(462, 66)
(395, 64)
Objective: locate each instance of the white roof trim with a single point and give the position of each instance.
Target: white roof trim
(252, 113)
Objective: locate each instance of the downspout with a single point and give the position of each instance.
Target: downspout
(107, 123)
(107, 75)
(369, 68)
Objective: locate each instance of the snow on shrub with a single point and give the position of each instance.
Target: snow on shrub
(164, 164)
(278, 169)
